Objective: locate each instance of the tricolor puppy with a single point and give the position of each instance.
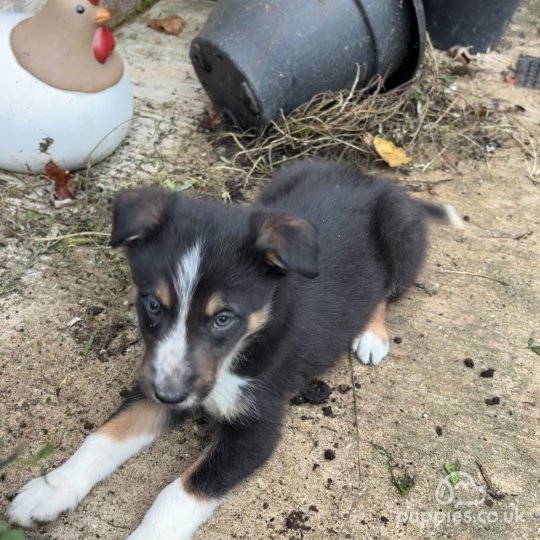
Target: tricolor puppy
(239, 307)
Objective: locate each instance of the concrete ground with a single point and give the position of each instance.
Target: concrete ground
(477, 299)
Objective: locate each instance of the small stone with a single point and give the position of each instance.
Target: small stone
(492, 401)
(487, 373)
(357, 385)
(313, 508)
(88, 425)
(317, 392)
(384, 519)
(329, 454)
(265, 505)
(315, 467)
(469, 362)
(438, 430)
(398, 340)
(327, 411)
(343, 388)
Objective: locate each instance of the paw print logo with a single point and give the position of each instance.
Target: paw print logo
(460, 489)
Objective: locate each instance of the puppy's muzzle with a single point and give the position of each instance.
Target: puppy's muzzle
(169, 394)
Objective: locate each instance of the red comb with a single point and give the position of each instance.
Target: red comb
(94, 2)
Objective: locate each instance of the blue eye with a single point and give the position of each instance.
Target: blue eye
(153, 307)
(223, 320)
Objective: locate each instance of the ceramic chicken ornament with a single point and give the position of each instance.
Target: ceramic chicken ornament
(64, 93)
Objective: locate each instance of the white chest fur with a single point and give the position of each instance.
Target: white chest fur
(231, 396)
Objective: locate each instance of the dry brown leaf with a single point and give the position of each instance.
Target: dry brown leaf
(461, 54)
(64, 188)
(509, 79)
(212, 121)
(367, 138)
(392, 154)
(173, 24)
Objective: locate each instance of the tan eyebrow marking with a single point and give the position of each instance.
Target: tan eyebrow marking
(258, 319)
(214, 304)
(163, 293)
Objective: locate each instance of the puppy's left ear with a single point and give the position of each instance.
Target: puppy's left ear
(287, 242)
(137, 214)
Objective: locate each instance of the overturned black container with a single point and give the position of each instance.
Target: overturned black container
(257, 57)
(479, 24)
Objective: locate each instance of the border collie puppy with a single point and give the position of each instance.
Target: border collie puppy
(239, 307)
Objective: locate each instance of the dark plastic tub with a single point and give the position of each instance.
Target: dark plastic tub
(257, 57)
(479, 24)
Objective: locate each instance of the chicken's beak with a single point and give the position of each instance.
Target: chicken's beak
(102, 15)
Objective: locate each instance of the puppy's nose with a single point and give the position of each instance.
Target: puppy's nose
(169, 396)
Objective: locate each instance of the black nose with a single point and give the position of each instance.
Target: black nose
(168, 396)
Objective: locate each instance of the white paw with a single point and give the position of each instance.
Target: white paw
(175, 515)
(44, 499)
(369, 348)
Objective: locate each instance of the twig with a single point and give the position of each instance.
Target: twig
(475, 274)
(492, 491)
(67, 236)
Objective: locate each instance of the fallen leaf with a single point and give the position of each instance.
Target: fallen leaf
(534, 348)
(509, 79)
(170, 185)
(73, 321)
(461, 54)
(392, 154)
(89, 344)
(367, 138)
(64, 188)
(403, 483)
(42, 453)
(211, 122)
(452, 470)
(173, 24)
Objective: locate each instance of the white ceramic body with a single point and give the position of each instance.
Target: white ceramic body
(84, 128)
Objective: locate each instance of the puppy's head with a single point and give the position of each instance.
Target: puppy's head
(205, 275)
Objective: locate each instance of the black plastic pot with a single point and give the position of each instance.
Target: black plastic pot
(479, 24)
(257, 57)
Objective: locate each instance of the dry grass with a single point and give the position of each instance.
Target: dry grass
(428, 117)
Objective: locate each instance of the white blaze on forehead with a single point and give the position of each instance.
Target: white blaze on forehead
(170, 354)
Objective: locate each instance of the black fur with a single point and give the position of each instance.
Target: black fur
(323, 245)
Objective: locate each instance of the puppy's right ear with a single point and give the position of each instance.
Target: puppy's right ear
(137, 214)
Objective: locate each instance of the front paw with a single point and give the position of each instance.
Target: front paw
(43, 499)
(175, 515)
(370, 348)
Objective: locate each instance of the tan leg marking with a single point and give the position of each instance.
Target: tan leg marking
(139, 418)
(185, 477)
(163, 293)
(376, 323)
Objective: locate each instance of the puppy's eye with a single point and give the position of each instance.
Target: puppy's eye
(153, 307)
(79, 9)
(223, 320)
